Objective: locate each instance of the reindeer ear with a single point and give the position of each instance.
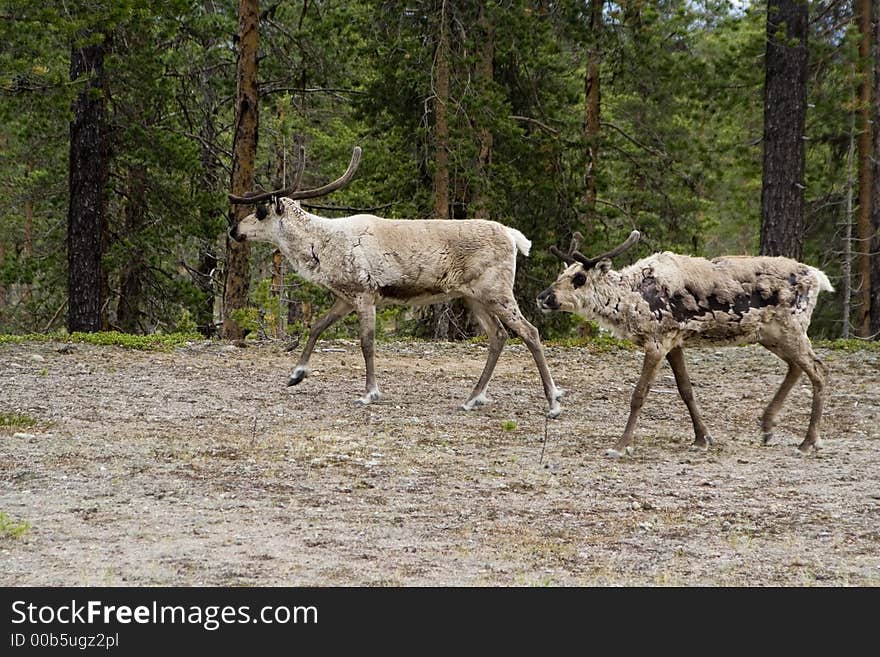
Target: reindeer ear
(279, 206)
(603, 265)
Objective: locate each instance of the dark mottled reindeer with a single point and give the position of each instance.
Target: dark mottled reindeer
(667, 301)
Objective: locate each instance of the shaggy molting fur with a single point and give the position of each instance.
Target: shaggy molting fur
(668, 301)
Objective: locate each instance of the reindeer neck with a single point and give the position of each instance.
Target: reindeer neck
(303, 239)
(612, 303)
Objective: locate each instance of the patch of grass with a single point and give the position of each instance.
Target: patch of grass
(850, 346)
(16, 420)
(508, 425)
(546, 581)
(156, 341)
(14, 338)
(601, 343)
(11, 529)
(153, 342)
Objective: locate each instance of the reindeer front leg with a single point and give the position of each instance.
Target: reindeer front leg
(675, 358)
(340, 309)
(366, 312)
(650, 367)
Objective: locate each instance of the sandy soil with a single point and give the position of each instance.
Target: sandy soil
(199, 467)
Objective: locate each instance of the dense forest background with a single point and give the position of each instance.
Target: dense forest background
(589, 115)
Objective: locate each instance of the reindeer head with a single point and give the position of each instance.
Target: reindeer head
(582, 274)
(264, 224)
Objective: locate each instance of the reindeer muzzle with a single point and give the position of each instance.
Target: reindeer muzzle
(547, 300)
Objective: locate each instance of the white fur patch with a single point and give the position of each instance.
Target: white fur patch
(479, 400)
(369, 398)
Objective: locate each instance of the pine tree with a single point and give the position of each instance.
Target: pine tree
(244, 152)
(874, 329)
(785, 107)
(89, 168)
(864, 231)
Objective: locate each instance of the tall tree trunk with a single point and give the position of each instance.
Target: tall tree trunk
(862, 321)
(592, 101)
(785, 107)
(277, 288)
(209, 311)
(485, 71)
(27, 246)
(846, 267)
(89, 169)
(3, 290)
(244, 148)
(875, 183)
(441, 119)
(128, 308)
(441, 312)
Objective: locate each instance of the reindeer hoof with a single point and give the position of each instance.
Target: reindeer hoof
(298, 375)
(554, 412)
(616, 453)
(766, 437)
(369, 398)
(805, 448)
(702, 443)
(471, 404)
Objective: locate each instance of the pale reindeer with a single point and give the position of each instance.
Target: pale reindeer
(367, 261)
(668, 301)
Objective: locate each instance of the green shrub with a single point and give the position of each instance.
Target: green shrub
(152, 342)
(849, 346)
(11, 529)
(16, 420)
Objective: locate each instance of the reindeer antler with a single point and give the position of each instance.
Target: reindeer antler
(568, 258)
(574, 255)
(292, 193)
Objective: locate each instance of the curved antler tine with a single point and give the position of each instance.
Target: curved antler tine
(632, 239)
(577, 256)
(616, 251)
(565, 257)
(250, 198)
(342, 181)
(290, 192)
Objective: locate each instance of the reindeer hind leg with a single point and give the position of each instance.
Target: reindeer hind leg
(508, 312)
(497, 335)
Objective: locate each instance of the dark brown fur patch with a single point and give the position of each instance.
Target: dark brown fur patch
(408, 291)
(686, 306)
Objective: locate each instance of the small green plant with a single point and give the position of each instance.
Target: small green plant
(13, 338)
(11, 529)
(152, 342)
(508, 425)
(247, 318)
(186, 324)
(16, 420)
(849, 346)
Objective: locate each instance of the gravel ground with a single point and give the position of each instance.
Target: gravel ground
(200, 467)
